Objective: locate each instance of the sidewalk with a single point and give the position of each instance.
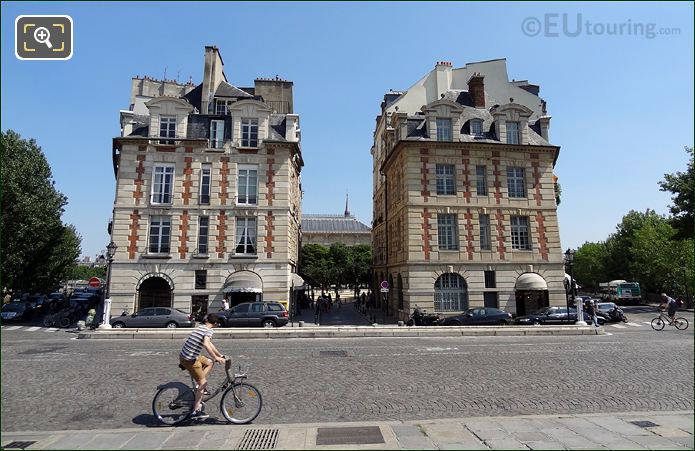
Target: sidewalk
(630, 430)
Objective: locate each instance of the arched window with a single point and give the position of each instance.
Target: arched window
(450, 293)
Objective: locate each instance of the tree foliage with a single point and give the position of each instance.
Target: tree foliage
(37, 248)
(82, 272)
(336, 265)
(682, 186)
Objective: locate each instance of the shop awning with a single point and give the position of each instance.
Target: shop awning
(243, 282)
(530, 281)
(297, 282)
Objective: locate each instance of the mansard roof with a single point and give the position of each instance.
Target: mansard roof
(333, 224)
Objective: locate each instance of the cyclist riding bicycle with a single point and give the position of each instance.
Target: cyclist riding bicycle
(671, 304)
(198, 366)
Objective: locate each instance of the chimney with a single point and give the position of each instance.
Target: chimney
(545, 126)
(476, 89)
(213, 75)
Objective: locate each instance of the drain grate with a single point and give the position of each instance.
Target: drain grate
(333, 353)
(349, 436)
(18, 445)
(644, 424)
(259, 439)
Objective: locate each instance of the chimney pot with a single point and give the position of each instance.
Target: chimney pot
(476, 89)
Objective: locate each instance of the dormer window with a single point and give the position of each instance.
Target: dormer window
(513, 136)
(167, 129)
(249, 132)
(444, 129)
(222, 106)
(216, 134)
(476, 127)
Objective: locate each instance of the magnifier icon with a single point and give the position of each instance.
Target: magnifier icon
(43, 36)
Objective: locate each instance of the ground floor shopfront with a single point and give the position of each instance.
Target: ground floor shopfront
(199, 288)
(449, 289)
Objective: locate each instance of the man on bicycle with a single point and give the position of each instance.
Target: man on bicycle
(671, 304)
(197, 365)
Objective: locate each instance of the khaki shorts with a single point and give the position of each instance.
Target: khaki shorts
(195, 367)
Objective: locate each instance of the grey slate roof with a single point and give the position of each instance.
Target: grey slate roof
(227, 90)
(333, 224)
(278, 127)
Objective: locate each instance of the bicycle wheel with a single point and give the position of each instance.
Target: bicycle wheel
(245, 408)
(681, 323)
(173, 403)
(65, 322)
(658, 323)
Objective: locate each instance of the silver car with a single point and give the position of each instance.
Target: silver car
(153, 317)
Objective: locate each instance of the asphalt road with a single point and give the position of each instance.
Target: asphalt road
(51, 381)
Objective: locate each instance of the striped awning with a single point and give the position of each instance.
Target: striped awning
(243, 282)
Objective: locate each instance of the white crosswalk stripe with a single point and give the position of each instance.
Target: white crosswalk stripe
(51, 329)
(13, 327)
(32, 329)
(634, 324)
(619, 326)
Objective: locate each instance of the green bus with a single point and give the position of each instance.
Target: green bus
(621, 292)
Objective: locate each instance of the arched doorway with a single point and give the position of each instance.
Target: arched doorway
(154, 291)
(450, 293)
(531, 292)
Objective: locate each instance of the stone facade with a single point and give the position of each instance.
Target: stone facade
(238, 169)
(466, 216)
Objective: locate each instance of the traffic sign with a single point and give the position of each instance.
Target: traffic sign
(95, 282)
(384, 290)
(384, 285)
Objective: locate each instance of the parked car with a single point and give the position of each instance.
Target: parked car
(16, 311)
(548, 315)
(154, 317)
(479, 317)
(38, 301)
(254, 314)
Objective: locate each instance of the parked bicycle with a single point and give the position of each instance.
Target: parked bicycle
(663, 319)
(240, 404)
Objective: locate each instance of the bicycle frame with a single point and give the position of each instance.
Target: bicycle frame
(229, 380)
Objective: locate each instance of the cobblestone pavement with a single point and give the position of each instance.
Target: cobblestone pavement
(50, 382)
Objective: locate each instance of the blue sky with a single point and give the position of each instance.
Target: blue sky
(622, 105)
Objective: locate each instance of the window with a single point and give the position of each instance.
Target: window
(520, 236)
(216, 134)
(485, 244)
(242, 308)
(490, 281)
(481, 180)
(203, 229)
(167, 129)
(162, 184)
(448, 235)
(443, 129)
(476, 127)
(450, 293)
(205, 172)
(490, 300)
(257, 308)
(160, 233)
(245, 235)
(513, 133)
(201, 279)
(275, 308)
(162, 312)
(516, 182)
(446, 183)
(247, 185)
(249, 133)
(222, 106)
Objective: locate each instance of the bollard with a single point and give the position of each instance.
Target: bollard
(401, 324)
(301, 324)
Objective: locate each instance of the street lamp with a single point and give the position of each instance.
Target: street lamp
(110, 252)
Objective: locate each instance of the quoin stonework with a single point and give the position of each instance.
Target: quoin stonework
(208, 197)
(465, 212)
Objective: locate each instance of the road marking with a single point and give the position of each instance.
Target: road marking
(647, 323)
(32, 329)
(634, 324)
(619, 326)
(51, 329)
(608, 333)
(13, 327)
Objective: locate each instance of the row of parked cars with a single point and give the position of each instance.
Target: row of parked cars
(27, 306)
(248, 314)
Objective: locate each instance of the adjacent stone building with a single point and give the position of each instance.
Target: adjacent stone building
(208, 197)
(464, 201)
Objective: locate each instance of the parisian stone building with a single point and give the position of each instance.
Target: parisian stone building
(208, 196)
(333, 229)
(464, 202)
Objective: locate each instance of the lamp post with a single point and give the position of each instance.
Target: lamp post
(110, 252)
(569, 261)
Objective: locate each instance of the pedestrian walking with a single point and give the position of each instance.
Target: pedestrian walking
(337, 300)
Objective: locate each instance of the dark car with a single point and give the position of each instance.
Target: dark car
(16, 311)
(254, 314)
(154, 317)
(548, 315)
(479, 317)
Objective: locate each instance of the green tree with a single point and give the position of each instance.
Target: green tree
(590, 265)
(81, 272)
(337, 265)
(682, 186)
(37, 249)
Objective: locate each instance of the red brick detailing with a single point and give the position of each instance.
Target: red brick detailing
(187, 182)
(269, 227)
(500, 234)
(497, 183)
(270, 151)
(495, 154)
(270, 195)
(139, 181)
(469, 233)
(537, 182)
(466, 181)
(165, 148)
(133, 236)
(423, 171)
(223, 181)
(142, 148)
(542, 239)
(183, 228)
(248, 151)
(189, 149)
(465, 153)
(426, 236)
(221, 234)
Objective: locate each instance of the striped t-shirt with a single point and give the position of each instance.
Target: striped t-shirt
(194, 344)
